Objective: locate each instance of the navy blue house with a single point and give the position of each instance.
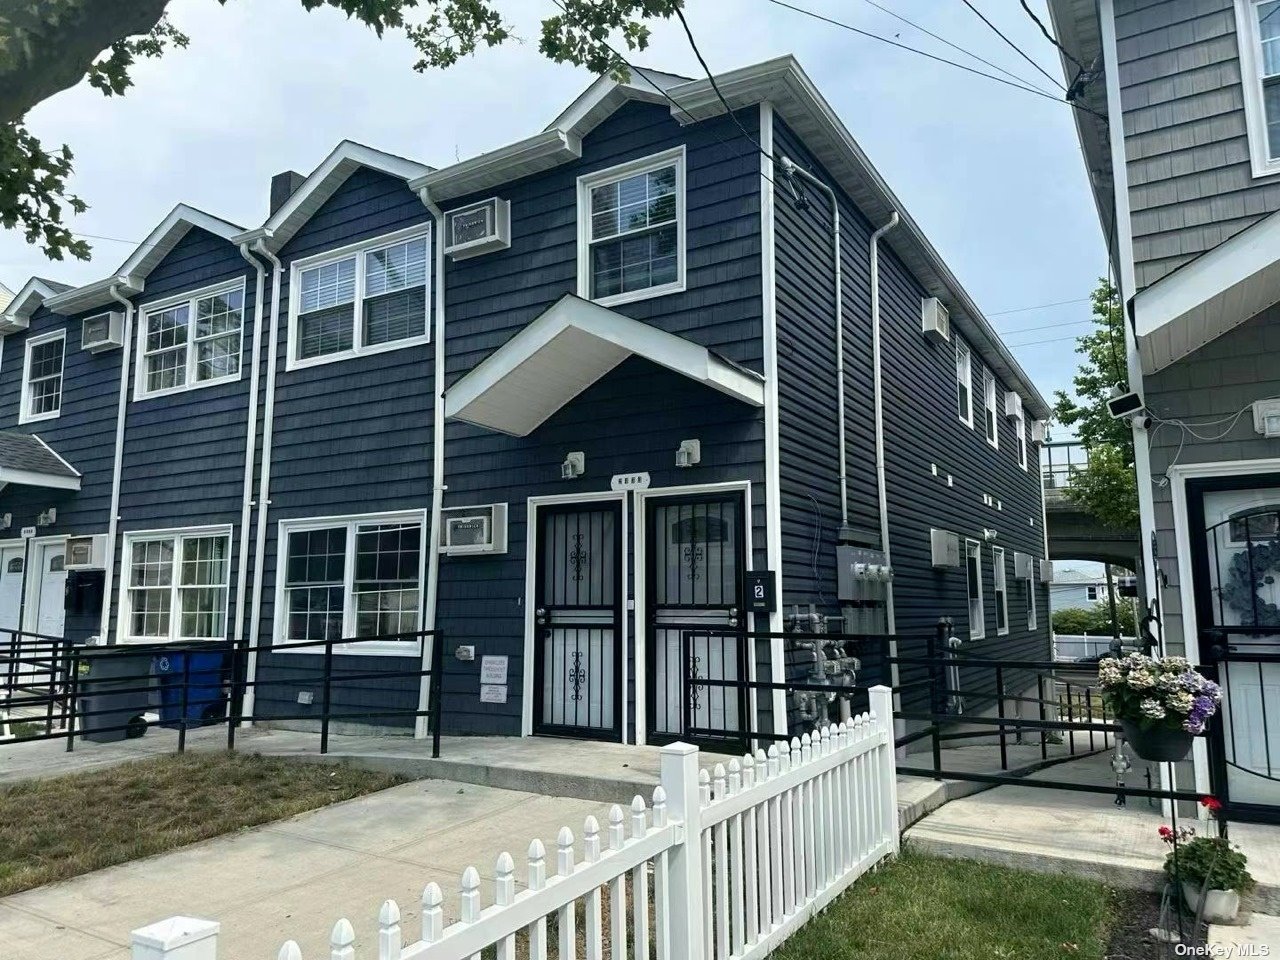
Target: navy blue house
(562, 402)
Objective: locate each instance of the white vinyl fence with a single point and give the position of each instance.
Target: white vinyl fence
(1079, 646)
(725, 865)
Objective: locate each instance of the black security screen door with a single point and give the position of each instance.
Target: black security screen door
(695, 554)
(578, 655)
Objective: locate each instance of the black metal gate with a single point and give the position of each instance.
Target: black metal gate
(578, 653)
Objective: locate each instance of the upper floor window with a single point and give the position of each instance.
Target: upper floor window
(977, 604)
(990, 415)
(191, 341)
(1020, 426)
(42, 377)
(1258, 31)
(631, 230)
(964, 381)
(365, 298)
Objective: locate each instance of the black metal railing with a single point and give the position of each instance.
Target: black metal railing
(67, 692)
(1059, 459)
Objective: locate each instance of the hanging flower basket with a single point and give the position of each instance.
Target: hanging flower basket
(1157, 743)
(1161, 702)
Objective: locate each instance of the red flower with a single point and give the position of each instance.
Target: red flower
(1165, 833)
(1212, 804)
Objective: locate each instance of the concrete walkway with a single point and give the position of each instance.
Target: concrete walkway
(293, 879)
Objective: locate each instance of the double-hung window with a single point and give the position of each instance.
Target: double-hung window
(990, 416)
(631, 230)
(964, 381)
(1091, 593)
(1029, 585)
(1001, 591)
(365, 298)
(1258, 32)
(1020, 426)
(42, 377)
(977, 606)
(191, 341)
(176, 585)
(352, 578)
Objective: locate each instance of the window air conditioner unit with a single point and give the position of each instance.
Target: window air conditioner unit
(105, 331)
(480, 228)
(1024, 566)
(935, 321)
(1038, 430)
(1046, 571)
(474, 530)
(1012, 405)
(945, 547)
(86, 553)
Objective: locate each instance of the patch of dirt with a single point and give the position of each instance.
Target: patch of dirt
(1137, 912)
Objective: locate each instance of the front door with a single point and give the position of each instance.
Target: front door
(11, 564)
(51, 602)
(578, 621)
(695, 554)
(1237, 581)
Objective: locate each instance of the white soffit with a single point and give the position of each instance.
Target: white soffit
(568, 348)
(1209, 296)
(168, 233)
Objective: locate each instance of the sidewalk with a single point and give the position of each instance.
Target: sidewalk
(293, 879)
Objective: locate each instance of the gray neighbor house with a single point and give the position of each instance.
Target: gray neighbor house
(1184, 158)
(553, 401)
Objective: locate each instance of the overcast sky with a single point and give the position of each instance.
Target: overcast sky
(992, 174)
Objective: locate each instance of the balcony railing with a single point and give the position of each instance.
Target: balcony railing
(1059, 459)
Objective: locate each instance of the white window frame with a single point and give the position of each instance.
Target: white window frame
(990, 408)
(977, 625)
(1020, 425)
(178, 535)
(1093, 593)
(1032, 616)
(403, 648)
(24, 411)
(1000, 581)
(962, 349)
(140, 391)
(621, 171)
(1249, 41)
(358, 251)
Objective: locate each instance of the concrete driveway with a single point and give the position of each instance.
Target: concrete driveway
(293, 879)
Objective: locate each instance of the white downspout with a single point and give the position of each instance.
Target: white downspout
(878, 388)
(264, 478)
(117, 467)
(250, 446)
(420, 728)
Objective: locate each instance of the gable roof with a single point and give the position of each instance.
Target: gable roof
(17, 313)
(160, 241)
(28, 460)
(6, 295)
(345, 159)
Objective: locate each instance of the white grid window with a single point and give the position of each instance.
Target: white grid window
(314, 584)
(977, 604)
(1258, 29)
(1030, 586)
(42, 377)
(964, 384)
(1020, 427)
(386, 579)
(990, 416)
(631, 230)
(192, 342)
(177, 586)
(370, 297)
(1001, 590)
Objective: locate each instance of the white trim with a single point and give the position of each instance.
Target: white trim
(530, 602)
(35, 561)
(978, 630)
(587, 182)
(1020, 425)
(31, 478)
(962, 348)
(1249, 41)
(351, 521)
(421, 231)
(166, 235)
(990, 408)
(190, 298)
(1000, 586)
(117, 465)
(24, 402)
(772, 426)
(641, 644)
(23, 304)
(178, 535)
(1119, 162)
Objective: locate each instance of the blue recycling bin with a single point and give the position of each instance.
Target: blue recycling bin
(206, 695)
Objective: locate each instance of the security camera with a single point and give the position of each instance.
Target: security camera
(1125, 405)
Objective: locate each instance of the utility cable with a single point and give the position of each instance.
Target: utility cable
(1023, 54)
(1050, 37)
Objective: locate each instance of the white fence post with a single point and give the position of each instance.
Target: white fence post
(679, 776)
(178, 938)
(881, 701)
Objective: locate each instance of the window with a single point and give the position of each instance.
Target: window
(964, 380)
(1020, 428)
(977, 608)
(352, 578)
(363, 299)
(42, 377)
(1001, 591)
(191, 342)
(1258, 29)
(631, 230)
(1091, 593)
(176, 586)
(989, 409)
(1030, 586)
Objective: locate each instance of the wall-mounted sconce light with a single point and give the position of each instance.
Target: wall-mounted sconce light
(988, 533)
(689, 453)
(573, 466)
(48, 518)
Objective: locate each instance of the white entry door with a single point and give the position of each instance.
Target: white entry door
(10, 589)
(50, 601)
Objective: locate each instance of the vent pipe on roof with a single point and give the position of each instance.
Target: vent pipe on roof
(283, 186)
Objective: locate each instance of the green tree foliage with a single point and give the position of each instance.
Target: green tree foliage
(47, 46)
(1095, 620)
(1107, 488)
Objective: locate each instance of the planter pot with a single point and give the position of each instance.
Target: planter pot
(1220, 906)
(1157, 743)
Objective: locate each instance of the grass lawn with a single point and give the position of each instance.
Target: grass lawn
(64, 826)
(924, 908)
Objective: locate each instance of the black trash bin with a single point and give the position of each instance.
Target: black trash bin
(113, 691)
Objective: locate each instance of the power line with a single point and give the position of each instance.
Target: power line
(1016, 48)
(1044, 326)
(1039, 306)
(1049, 36)
(715, 86)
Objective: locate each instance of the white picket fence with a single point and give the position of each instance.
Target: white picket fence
(739, 857)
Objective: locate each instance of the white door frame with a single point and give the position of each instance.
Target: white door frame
(641, 655)
(19, 543)
(530, 599)
(1179, 474)
(36, 562)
